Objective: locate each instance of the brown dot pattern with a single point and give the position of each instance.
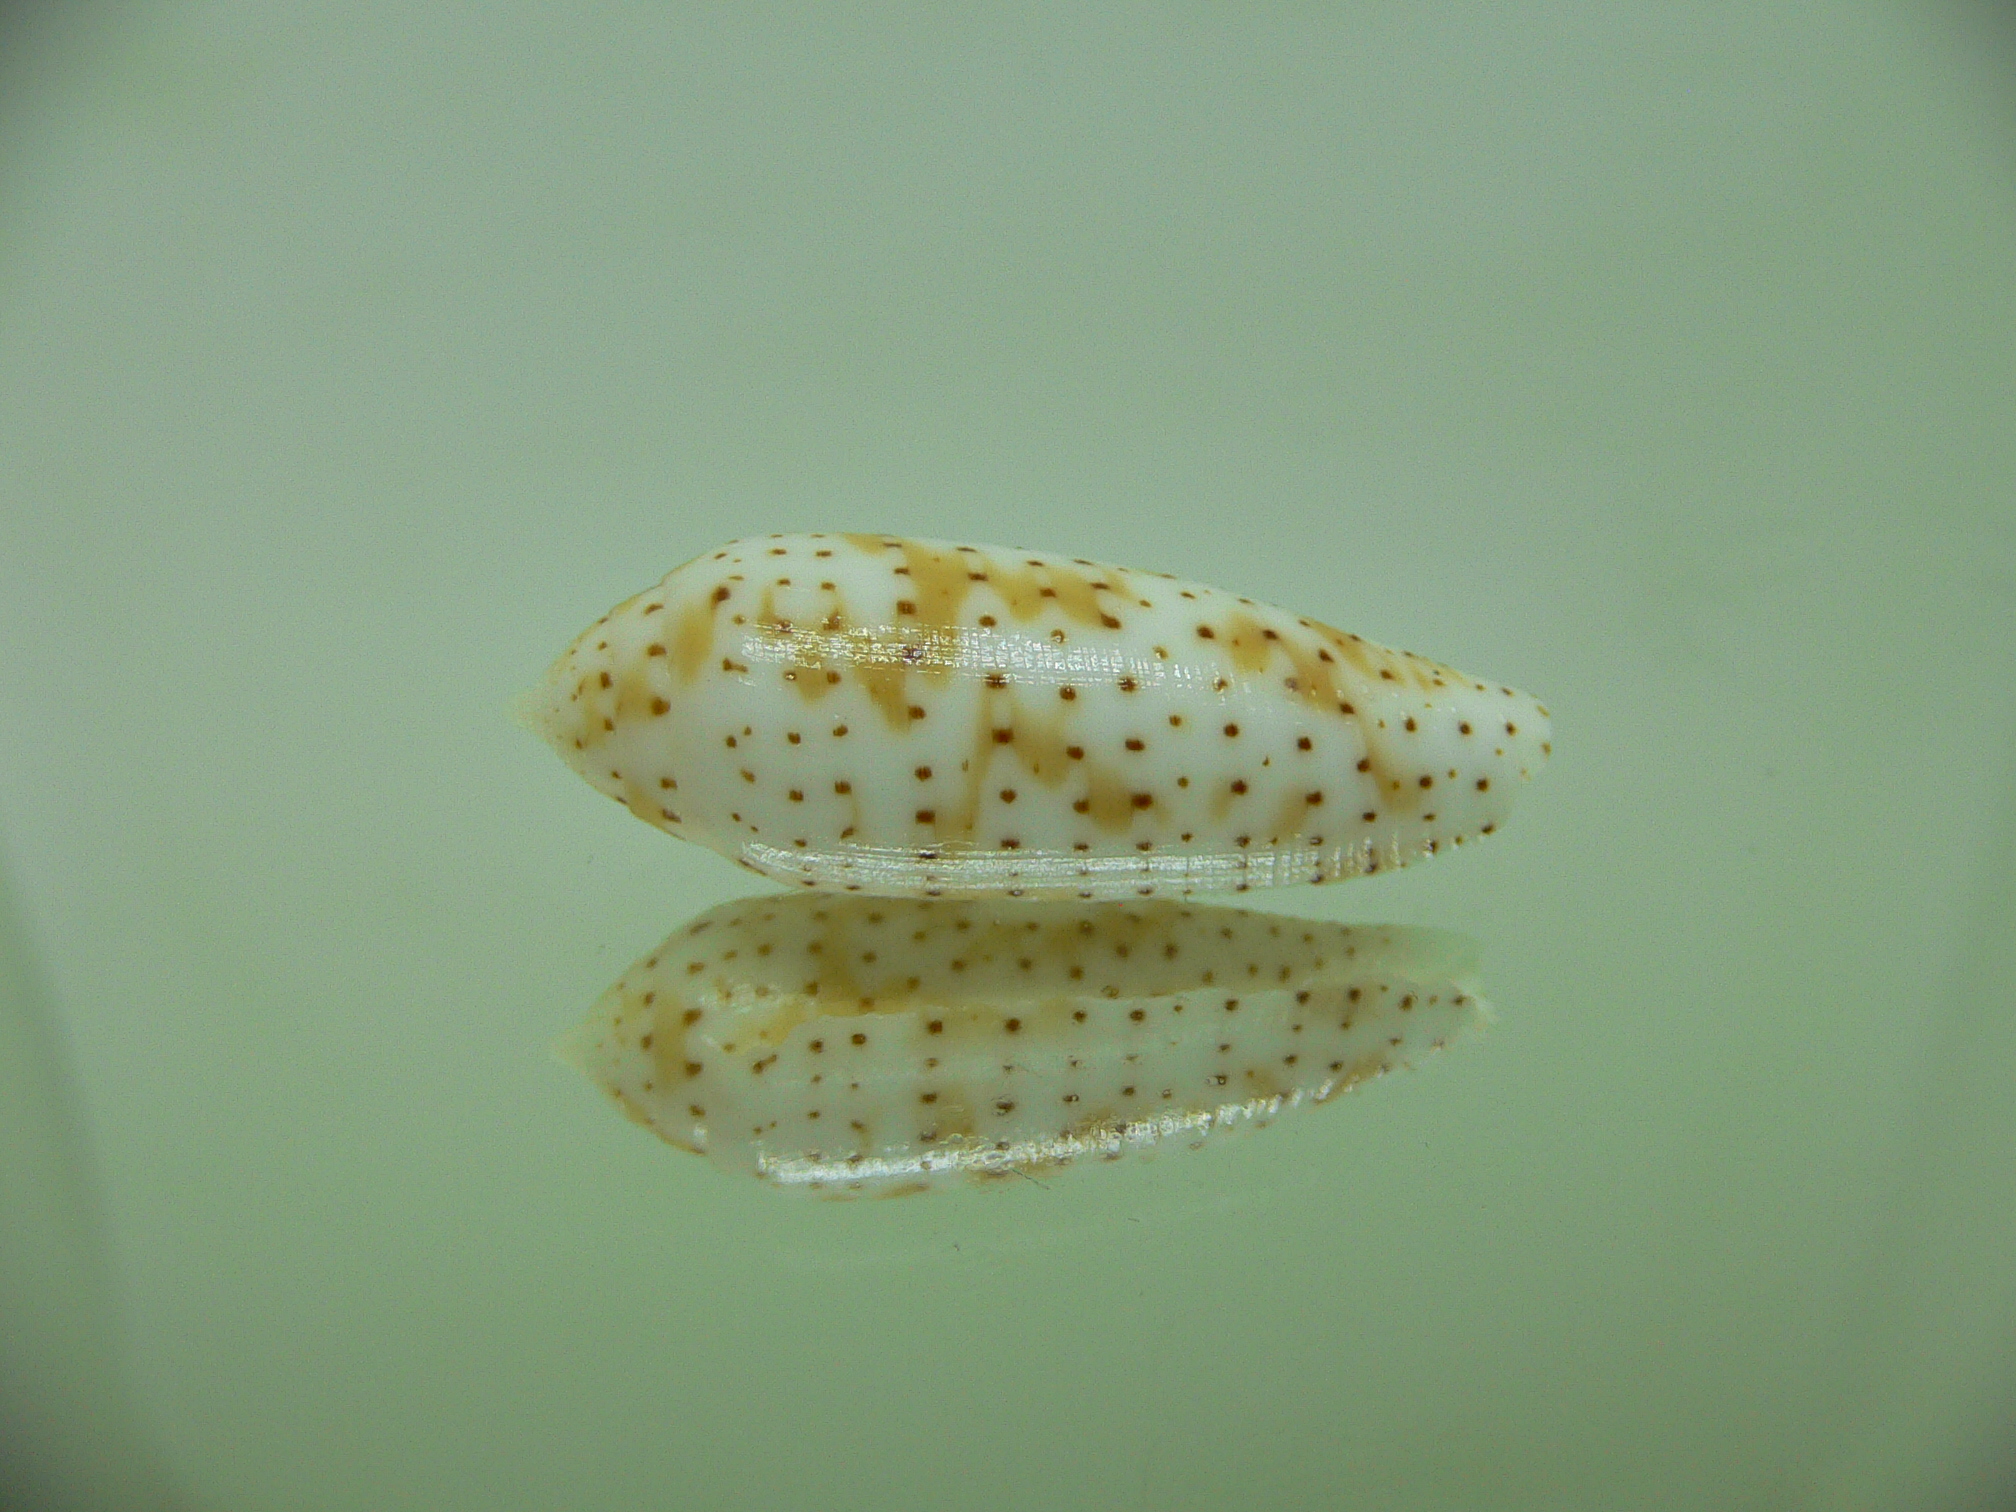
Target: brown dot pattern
(863, 1046)
(906, 717)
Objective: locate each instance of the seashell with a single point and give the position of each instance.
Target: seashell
(871, 1046)
(908, 717)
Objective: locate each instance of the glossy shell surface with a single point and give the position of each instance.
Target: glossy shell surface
(909, 717)
(857, 1047)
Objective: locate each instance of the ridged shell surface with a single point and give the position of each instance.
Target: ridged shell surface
(910, 717)
(860, 1047)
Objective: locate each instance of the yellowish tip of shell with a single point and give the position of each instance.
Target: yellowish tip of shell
(529, 710)
(571, 1049)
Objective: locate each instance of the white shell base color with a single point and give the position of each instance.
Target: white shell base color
(923, 718)
(865, 1047)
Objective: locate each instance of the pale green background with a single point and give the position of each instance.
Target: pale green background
(1659, 358)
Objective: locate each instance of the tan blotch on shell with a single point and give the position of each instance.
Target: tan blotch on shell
(921, 718)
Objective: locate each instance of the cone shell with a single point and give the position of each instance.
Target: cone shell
(920, 718)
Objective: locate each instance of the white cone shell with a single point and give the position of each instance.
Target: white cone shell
(921, 718)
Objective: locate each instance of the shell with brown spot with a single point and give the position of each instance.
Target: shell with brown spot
(909, 717)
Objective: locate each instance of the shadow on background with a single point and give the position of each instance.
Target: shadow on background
(71, 1436)
(1935, 1424)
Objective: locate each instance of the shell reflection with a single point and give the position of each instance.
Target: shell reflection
(871, 1046)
